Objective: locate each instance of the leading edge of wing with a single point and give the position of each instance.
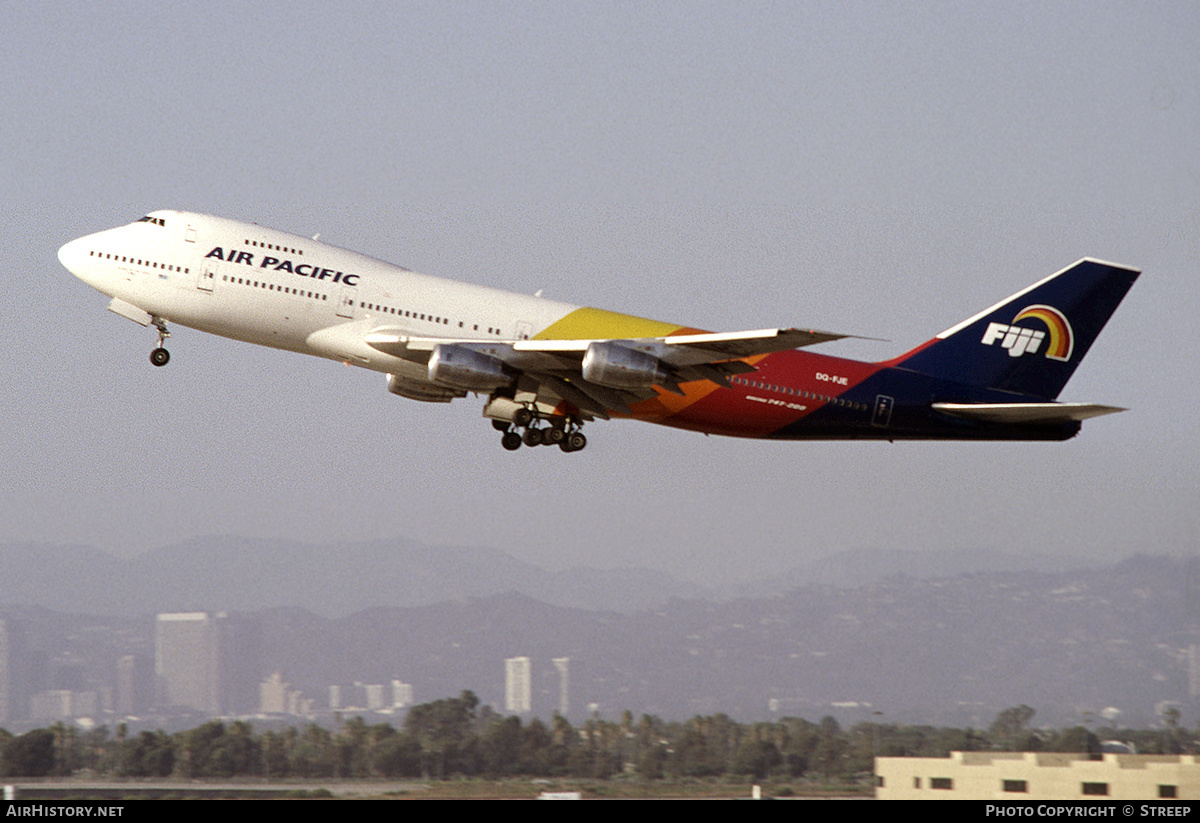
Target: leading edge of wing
(712, 347)
(705, 347)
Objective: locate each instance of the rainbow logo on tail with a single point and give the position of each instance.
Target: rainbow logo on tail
(1019, 340)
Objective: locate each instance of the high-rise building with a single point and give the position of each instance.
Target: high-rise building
(135, 692)
(402, 694)
(6, 672)
(518, 685)
(273, 694)
(239, 662)
(372, 695)
(562, 664)
(186, 661)
(16, 678)
(208, 662)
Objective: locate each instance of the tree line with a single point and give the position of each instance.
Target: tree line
(456, 737)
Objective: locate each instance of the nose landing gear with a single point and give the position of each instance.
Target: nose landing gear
(160, 356)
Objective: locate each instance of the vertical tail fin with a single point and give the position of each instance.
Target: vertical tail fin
(1029, 343)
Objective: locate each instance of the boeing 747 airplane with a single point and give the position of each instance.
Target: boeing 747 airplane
(546, 367)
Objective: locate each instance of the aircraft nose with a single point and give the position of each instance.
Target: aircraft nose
(69, 255)
(75, 257)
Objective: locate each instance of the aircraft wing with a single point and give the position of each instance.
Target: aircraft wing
(681, 349)
(558, 367)
(1034, 413)
(706, 347)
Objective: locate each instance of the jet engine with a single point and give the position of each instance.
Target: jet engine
(420, 390)
(456, 365)
(620, 367)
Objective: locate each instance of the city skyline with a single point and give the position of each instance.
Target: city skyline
(1106, 645)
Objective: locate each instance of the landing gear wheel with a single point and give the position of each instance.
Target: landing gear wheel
(553, 436)
(511, 441)
(500, 425)
(533, 437)
(522, 417)
(160, 356)
(575, 441)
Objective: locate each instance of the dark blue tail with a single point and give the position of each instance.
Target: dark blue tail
(1031, 342)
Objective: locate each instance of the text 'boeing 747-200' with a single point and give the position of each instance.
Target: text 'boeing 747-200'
(546, 367)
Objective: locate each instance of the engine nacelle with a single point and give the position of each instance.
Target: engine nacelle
(620, 367)
(465, 368)
(421, 390)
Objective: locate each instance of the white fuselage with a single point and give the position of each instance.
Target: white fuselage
(272, 288)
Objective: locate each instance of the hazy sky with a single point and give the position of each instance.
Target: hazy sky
(872, 168)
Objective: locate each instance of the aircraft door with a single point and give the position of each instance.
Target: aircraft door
(883, 411)
(206, 277)
(345, 302)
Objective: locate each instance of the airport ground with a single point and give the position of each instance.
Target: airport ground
(471, 789)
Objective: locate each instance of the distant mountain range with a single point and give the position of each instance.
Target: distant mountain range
(246, 574)
(920, 639)
(951, 650)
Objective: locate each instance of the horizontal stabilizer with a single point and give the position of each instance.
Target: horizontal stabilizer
(1031, 413)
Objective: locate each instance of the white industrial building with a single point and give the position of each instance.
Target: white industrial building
(1038, 776)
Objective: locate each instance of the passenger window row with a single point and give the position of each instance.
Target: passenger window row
(275, 247)
(137, 261)
(262, 284)
(824, 398)
(428, 318)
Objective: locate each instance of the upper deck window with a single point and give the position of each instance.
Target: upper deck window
(262, 244)
(158, 221)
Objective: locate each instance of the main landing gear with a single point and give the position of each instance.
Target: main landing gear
(563, 432)
(160, 356)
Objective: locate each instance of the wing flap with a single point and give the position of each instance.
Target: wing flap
(1033, 413)
(586, 396)
(690, 349)
(710, 348)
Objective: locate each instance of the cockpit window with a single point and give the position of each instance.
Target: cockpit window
(158, 221)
